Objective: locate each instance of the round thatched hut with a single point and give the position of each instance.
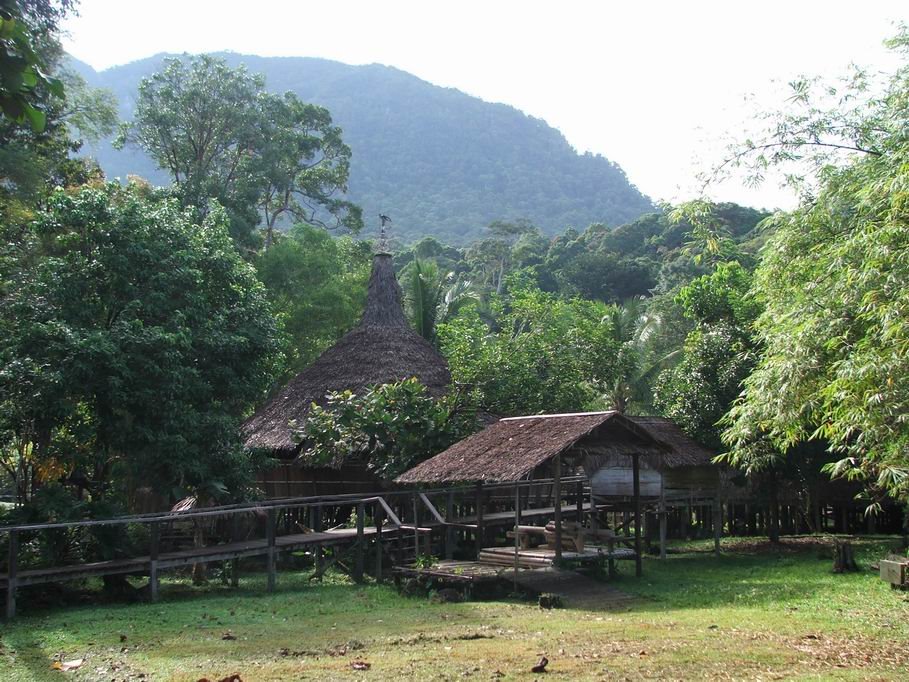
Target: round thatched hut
(381, 349)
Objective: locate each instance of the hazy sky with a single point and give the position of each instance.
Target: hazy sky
(654, 86)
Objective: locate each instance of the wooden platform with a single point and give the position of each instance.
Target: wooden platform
(543, 557)
(447, 570)
(507, 517)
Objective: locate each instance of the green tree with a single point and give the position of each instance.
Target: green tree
(221, 136)
(132, 341)
(393, 427)
(432, 297)
(541, 354)
(26, 32)
(630, 330)
(832, 283)
(717, 354)
(317, 285)
(491, 259)
(32, 163)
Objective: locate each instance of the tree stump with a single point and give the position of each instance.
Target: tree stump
(843, 557)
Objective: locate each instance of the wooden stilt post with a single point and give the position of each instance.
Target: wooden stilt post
(594, 514)
(270, 544)
(379, 513)
(316, 513)
(479, 532)
(517, 522)
(360, 549)
(12, 561)
(154, 542)
(416, 525)
(235, 563)
(557, 505)
(717, 522)
(636, 470)
(579, 500)
(663, 521)
(450, 537)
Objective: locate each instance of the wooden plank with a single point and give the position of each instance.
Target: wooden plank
(507, 517)
(893, 572)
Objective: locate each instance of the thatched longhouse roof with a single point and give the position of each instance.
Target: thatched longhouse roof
(510, 449)
(683, 450)
(381, 349)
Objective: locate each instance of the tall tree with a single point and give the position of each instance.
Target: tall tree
(317, 285)
(221, 136)
(539, 354)
(132, 340)
(833, 285)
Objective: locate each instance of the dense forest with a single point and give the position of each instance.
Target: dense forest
(140, 322)
(438, 161)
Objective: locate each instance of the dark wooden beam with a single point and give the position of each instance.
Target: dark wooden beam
(378, 514)
(360, 548)
(557, 504)
(636, 466)
(153, 582)
(450, 537)
(270, 543)
(480, 510)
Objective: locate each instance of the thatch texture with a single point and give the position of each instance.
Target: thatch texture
(683, 450)
(381, 349)
(512, 448)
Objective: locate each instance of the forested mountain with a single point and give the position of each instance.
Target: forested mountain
(440, 162)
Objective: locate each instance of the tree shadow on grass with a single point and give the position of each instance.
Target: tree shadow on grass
(753, 574)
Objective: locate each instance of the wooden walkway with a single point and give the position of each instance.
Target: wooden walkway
(220, 552)
(378, 528)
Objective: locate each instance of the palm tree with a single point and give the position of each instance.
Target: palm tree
(631, 326)
(432, 298)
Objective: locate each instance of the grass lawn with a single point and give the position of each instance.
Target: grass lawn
(754, 613)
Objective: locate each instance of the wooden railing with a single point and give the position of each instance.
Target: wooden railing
(273, 526)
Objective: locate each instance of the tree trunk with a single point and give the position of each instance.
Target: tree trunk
(843, 557)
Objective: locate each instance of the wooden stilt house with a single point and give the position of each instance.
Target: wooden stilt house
(627, 462)
(381, 349)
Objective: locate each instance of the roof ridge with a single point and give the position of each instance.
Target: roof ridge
(564, 414)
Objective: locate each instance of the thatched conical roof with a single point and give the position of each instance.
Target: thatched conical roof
(381, 349)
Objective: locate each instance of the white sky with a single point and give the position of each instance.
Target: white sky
(653, 86)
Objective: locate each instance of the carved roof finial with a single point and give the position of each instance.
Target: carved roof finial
(382, 246)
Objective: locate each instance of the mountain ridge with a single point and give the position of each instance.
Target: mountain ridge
(440, 161)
